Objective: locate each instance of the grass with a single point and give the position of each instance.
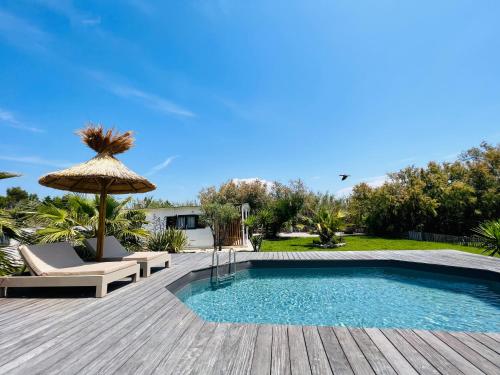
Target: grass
(362, 243)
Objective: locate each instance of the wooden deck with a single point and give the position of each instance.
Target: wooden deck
(142, 329)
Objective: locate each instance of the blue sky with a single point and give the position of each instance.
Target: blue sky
(241, 89)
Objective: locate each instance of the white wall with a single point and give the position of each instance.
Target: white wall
(198, 238)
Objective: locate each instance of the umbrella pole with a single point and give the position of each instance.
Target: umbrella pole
(102, 224)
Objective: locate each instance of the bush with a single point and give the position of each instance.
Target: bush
(170, 239)
(256, 241)
(9, 264)
(328, 222)
(489, 235)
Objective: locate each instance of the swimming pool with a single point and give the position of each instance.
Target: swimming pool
(382, 297)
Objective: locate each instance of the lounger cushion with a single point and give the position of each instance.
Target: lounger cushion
(101, 268)
(46, 258)
(144, 256)
(60, 259)
(112, 247)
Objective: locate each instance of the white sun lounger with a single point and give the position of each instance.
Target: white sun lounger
(58, 265)
(113, 250)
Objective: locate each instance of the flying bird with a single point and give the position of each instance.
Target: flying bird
(344, 176)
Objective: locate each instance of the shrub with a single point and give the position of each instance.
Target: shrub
(489, 235)
(328, 222)
(219, 217)
(256, 241)
(170, 239)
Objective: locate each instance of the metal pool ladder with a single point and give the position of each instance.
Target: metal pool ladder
(218, 268)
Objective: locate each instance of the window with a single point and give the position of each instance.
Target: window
(186, 222)
(190, 222)
(181, 222)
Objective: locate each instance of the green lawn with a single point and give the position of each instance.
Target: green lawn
(362, 243)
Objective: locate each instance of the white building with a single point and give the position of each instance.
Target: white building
(187, 219)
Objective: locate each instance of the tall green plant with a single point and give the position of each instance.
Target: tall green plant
(8, 229)
(170, 239)
(328, 222)
(255, 229)
(489, 234)
(77, 219)
(219, 217)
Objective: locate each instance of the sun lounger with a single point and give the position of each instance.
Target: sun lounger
(113, 250)
(58, 264)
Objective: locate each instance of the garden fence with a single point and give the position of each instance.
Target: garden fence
(437, 237)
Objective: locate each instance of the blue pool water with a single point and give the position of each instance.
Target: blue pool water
(382, 297)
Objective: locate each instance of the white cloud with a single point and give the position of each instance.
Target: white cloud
(370, 181)
(22, 34)
(161, 166)
(9, 119)
(142, 6)
(35, 160)
(68, 9)
(148, 99)
(91, 21)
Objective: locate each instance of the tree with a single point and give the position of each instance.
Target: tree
(219, 217)
(449, 198)
(16, 195)
(149, 202)
(284, 206)
(77, 219)
(8, 229)
(254, 192)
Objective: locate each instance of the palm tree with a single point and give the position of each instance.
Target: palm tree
(8, 229)
(78, 219)
(489, 235)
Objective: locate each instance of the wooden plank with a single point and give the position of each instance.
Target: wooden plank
(143, 335)
(242, 361)
(299, 360)
(206, 361)
(449, 353)
(485, 351)
(224, 358)
(334, 352)
(280, 353)
(393, 356)
(376, 359)
(413, 356)
(476, 358)
(494, 336)
(144, 360)
(51, 345)
(185, 361)
(354, 355)
(179, 348)
(39, 335)
(261, 362)
(487, 341)
(109, 352)
(439, 362)
(317, 356)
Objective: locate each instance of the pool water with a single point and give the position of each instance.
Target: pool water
(382, 297)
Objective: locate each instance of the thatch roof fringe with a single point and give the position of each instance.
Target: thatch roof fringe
(108, 142)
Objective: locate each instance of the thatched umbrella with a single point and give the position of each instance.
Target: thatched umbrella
(4, 175)
(103, 174)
